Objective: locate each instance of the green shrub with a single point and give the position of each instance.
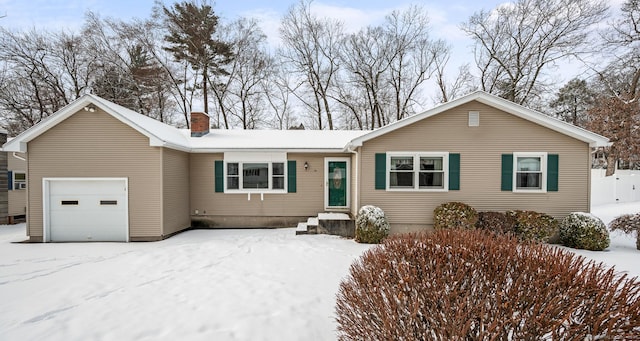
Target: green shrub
(497, 222)
(534, 226)
(584, 231)
(474, 285)
(372, 225)
(454, 215)
(629, 224)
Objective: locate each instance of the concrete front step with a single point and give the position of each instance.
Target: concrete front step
(339, 224)
(302, 229)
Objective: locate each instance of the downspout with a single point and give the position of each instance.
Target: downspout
(356, 194)
(18, 157)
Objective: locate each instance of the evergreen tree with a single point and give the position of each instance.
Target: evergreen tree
(191, 38)
(572, 102)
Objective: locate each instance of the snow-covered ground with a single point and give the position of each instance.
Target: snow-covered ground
(197, 285)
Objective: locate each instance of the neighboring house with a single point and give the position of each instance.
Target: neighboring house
(4, 197)
(17, 187)
(98, 171)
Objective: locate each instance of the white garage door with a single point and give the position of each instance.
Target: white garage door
(86, 209)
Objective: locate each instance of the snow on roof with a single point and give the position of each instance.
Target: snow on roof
(300, 140)
(164, 135)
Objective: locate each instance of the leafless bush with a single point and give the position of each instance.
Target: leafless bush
(629, 224)
(473, 285)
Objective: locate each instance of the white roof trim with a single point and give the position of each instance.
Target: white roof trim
(19, 143)
(584, 135)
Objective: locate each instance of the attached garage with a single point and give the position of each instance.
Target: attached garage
(85, 209)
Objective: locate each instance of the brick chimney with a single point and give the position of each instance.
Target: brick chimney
(199, 124)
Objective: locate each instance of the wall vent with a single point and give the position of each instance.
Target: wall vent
(474, 118)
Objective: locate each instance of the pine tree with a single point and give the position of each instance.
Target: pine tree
(191, 38)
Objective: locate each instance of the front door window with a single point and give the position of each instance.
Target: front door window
(337, 183)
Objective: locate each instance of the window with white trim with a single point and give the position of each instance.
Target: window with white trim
(255, 176)
(530, 171)
(417, 171)
(19, 180)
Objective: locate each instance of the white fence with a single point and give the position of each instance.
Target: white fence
(623, 186)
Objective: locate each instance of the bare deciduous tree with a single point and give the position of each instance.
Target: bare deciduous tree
(366, 56)
(414, 59)
(239, 92)
(385, 67)
(43, 72)
(276, 88)
(311, 49)
(129, 73)
(448, 90)
(615, 113)
(517, 43)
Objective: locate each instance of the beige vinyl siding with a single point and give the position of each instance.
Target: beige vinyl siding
(307, 201)
(175, 197)
(94, 144)
(17, 199)
(480, 151)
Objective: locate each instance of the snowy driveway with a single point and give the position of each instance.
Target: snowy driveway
(197, 285)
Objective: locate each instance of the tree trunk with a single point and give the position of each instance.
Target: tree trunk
(204, 90)
(612, 159)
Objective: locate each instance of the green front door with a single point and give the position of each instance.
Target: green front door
(337, 189)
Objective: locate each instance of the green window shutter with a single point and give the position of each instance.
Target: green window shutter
(454, 172)
(552, 172)
(507, 172)
(219, 175)
(291, 176)
(381, 170)
(10, 180)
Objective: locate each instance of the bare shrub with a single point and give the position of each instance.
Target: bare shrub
(629, 224)
(454, 215)
(473, 285)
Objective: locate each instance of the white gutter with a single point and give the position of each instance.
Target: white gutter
(18, 156)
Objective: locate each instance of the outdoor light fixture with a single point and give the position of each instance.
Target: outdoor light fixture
(306, 165)
(90, 108)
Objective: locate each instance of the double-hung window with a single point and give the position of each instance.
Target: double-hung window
(255, 172)
(255, 176)
(417, 171)
(530, 171)
(19, 180)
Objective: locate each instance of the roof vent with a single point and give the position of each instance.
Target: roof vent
(474, 118)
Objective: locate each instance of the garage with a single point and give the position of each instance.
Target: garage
(86, 209)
